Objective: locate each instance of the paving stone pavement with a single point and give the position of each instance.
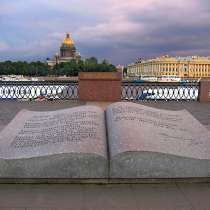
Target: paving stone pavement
(8, 109)
(105, 197)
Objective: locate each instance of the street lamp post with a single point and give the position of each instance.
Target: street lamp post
(56, 63)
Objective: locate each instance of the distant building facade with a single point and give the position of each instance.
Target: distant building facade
(120, 68)
(183, 67)
(67, 52)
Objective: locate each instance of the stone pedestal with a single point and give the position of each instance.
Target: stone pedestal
(100, 86)
(204, 95)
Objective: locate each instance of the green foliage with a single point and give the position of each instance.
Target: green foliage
(24, 68)
(71, 68)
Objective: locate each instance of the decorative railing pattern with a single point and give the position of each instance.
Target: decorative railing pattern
(160, 91)
(68, 90)
(35, 90)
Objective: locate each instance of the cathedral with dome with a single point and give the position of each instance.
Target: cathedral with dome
(67, 52)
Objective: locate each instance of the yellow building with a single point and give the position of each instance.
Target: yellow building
(183, 67)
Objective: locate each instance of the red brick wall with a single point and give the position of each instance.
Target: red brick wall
(100, 86)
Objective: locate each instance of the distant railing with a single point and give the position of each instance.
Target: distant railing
(68, 90)
(160, 91)
(38, 90)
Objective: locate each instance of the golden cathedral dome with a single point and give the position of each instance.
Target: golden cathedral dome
(68, 40)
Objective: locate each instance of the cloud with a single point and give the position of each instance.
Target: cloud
(119, 30)
(3, 46)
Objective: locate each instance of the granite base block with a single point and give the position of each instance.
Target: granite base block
(157, 165)
(56, 166)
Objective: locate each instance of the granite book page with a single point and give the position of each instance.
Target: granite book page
(65, 143)
(148, 142)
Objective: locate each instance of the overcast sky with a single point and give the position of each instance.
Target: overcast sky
(118, 30)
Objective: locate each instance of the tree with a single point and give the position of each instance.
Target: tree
(71, 68)
(23, 68)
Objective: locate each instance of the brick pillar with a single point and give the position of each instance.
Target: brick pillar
(204, 95)
(100, 86)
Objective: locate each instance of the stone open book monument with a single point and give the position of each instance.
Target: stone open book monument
(126, 141)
